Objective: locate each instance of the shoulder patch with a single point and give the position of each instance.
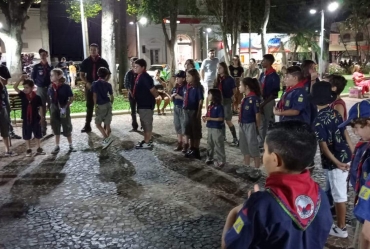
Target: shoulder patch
(300, 98)
(287, 102)
(238, 225)
(364, 193)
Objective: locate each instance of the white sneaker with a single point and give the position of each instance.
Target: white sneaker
(337, 232)
(106, 142)
(144, 145)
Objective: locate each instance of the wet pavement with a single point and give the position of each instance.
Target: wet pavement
(121, 197)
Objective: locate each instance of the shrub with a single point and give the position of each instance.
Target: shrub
(78, 95)
(336, 69)
(366, 69)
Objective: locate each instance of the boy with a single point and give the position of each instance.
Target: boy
(103, 104)
(359, 119)
(31, 114)
(4, 121)
(293, 211)
(144, 93)
(294, 105)
(338, 83)
(335, 152)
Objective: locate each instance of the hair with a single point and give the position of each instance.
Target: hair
(294, 142)
(252, 59)
(253, 85)
(141, 63)
(239, 62)
(71, 62)
(94, 45)
(63, 58)
(41, 50)
(361, 121)
(196, 77)
(134, 59)
(226, 73)
(305, 67)
(295, 71)
(190, 61)
(270, 58)
(356, 68)
(103, 72)
(339, 82)
(29, 83)
(216, 96)
(59, 72)
(211, 50)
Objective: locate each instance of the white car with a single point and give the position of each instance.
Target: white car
(154, 67)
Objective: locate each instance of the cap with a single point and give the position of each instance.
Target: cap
(359, 110)
(181, 74)
(322, 94)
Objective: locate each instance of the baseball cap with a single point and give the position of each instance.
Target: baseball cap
(180, 74)
(359, 110)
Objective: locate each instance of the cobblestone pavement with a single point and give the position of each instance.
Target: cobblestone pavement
(121, 197)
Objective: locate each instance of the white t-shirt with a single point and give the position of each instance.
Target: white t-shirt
(210, 69)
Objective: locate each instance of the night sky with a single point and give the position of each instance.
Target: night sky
(66, 35)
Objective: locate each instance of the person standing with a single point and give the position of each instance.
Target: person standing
(63, 65)
(208, 72)
(129, 85)
(89, 73)
(41, 77)
(236, 71)
(252, 71)
(72, 73)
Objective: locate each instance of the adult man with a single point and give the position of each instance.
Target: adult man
(4, 77)
(89, 73)
(270, 82)
(129, 85)
(208, 72)
(41, 77)
(252, 71)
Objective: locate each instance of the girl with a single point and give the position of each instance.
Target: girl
(226, 84)
(61, 97)
(249, 120)
(310, 74)
(160, 85)
(193, 102)
(189, 64)
(236, 71)
(215, 123)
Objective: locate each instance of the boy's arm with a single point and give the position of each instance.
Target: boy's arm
(215, 119)
(230, 220)
(349, 141)
(154, 92)
(325, 150)
(41, 113)
(290, 112)
(95, 98)
(17, 83)
(258, 120)
(112, 98)
(200, 107)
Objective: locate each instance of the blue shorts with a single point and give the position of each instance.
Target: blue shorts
(28, 129)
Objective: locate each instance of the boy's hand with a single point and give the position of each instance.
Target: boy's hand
(277, 111)
(366, 230)
(204, 118)
(343, 166)
(256, 188)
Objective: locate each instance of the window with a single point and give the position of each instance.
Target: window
(360, 36)
(154, 56)
(346, 37)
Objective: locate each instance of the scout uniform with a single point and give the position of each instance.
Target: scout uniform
(104, 111)
(178, 115)
(30, 115)
(226, 86)
(216, 139)
(193, 125)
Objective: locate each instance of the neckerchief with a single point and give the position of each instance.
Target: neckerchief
(297, 194)
(55, 87)
(288, 90)
(359, 169)
(44, 67)
(187, 95)
(30, 97)
(268, 72)
(241, 107)
(209, 109)
(178, 88)
(221, 80)
(95, 71)
(136, 81)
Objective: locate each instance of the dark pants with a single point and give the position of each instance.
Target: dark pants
(89, 106)
(11, 129)
(133, 112)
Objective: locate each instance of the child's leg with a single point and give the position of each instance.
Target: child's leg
(179, 138)
(102, 131)
(341, 210)
(28, 144)
(257, 162)
(69, 138)
(108, 129)
(210, 144)
(247, 160)
(158, 101)
(38, 142)
(6, 143)
(219, 142)
(57, 140)
(338, 185)
(166, 102)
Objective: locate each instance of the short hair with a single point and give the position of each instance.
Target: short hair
(252, 59)
(141, 63)
(270, 58)
(211, 50)
(94, 45)
(103, 72)
(361, 121)
(134, 59)
(63, 58)
(216, 96)
(295, 71)
(294, 142)
(29, 83)
(338, 81)
(41, 50)
(59, 72)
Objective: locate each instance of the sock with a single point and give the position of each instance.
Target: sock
(233, 131)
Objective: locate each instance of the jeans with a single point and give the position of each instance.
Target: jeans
(135, 125)
(89, 106)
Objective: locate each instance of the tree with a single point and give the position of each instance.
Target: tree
(15, 12)
(265, 22)
(122, 41)
(44, 20)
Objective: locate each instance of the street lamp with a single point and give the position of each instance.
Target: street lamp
(143, 21)
(331, 7)
(208, 30)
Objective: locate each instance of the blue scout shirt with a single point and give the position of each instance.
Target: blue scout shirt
(249, 108)
(102, 89)
(362, 208)
(36, 103)
(326, 128)
(59, 94)
(192, 97)
(226, 86)
(295, 98)
(41, 75)
(180, 91)
(144, 98)
(270, 82)
(362, 154)
(215, 111)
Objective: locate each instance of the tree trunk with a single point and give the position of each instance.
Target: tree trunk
(87, 40)
(250, 28)
(108, 40)
(44, 20)
(13, 45)
(171, 41)
(264, 26)
(282, 48)
(123, 53)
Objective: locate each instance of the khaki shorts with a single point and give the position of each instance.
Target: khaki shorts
(248, 141)
(146, 119)
(103, 113)
(58, 123)
(228, 111)
(4, 123)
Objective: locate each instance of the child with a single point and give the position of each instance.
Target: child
(103, 104)
(4, 121)
(249, 120)
(31, 114)
(293, 105)
(215, 123)
(359, 175)
(61, 97)
(226, 84)
(193, 102)
(338, 83)
(177, 96)
(335, 152)
(293, 211)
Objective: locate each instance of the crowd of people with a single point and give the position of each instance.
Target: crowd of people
(292, 211)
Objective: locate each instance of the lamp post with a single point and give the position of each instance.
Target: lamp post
(331, 7)
(208, 30)
(142, 21)
(83, 27)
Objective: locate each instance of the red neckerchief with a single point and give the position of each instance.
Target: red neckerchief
(359, 169)
(30, 97)
(178, 87)
(44, 67)
(342, 103)
(187, 95)
(242, 105)
(297, 194)
(221, 80)
(136, 81)
(288, 90)
(95, 71)
(55, 87)
(209, 110)
(268, 72)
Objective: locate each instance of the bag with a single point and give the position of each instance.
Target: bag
(355, 92)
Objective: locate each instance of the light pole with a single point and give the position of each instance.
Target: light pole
(142, 21)
(331, 7)
(83, 27)
(208, 30)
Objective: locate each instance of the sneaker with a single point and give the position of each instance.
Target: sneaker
(71, 149)
(86, 129)
(235, 142)
(185, 149)
(56, 150)
(12, 135)
(40, 151)
(218, 165)
(209, 161)
(29, 153)
(10, 154)
(337, 232)
(106, 142)
(194, 154)
(144, 146)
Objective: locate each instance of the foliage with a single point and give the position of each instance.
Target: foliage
(78, 95)
(366, 69)
(91, 9)
(336, 69)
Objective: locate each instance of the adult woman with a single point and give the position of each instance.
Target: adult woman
(252, 71)
(309, 73)
(189, 64)
(161, 85)
(72, 73)
(360, 79)
(236, 71)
